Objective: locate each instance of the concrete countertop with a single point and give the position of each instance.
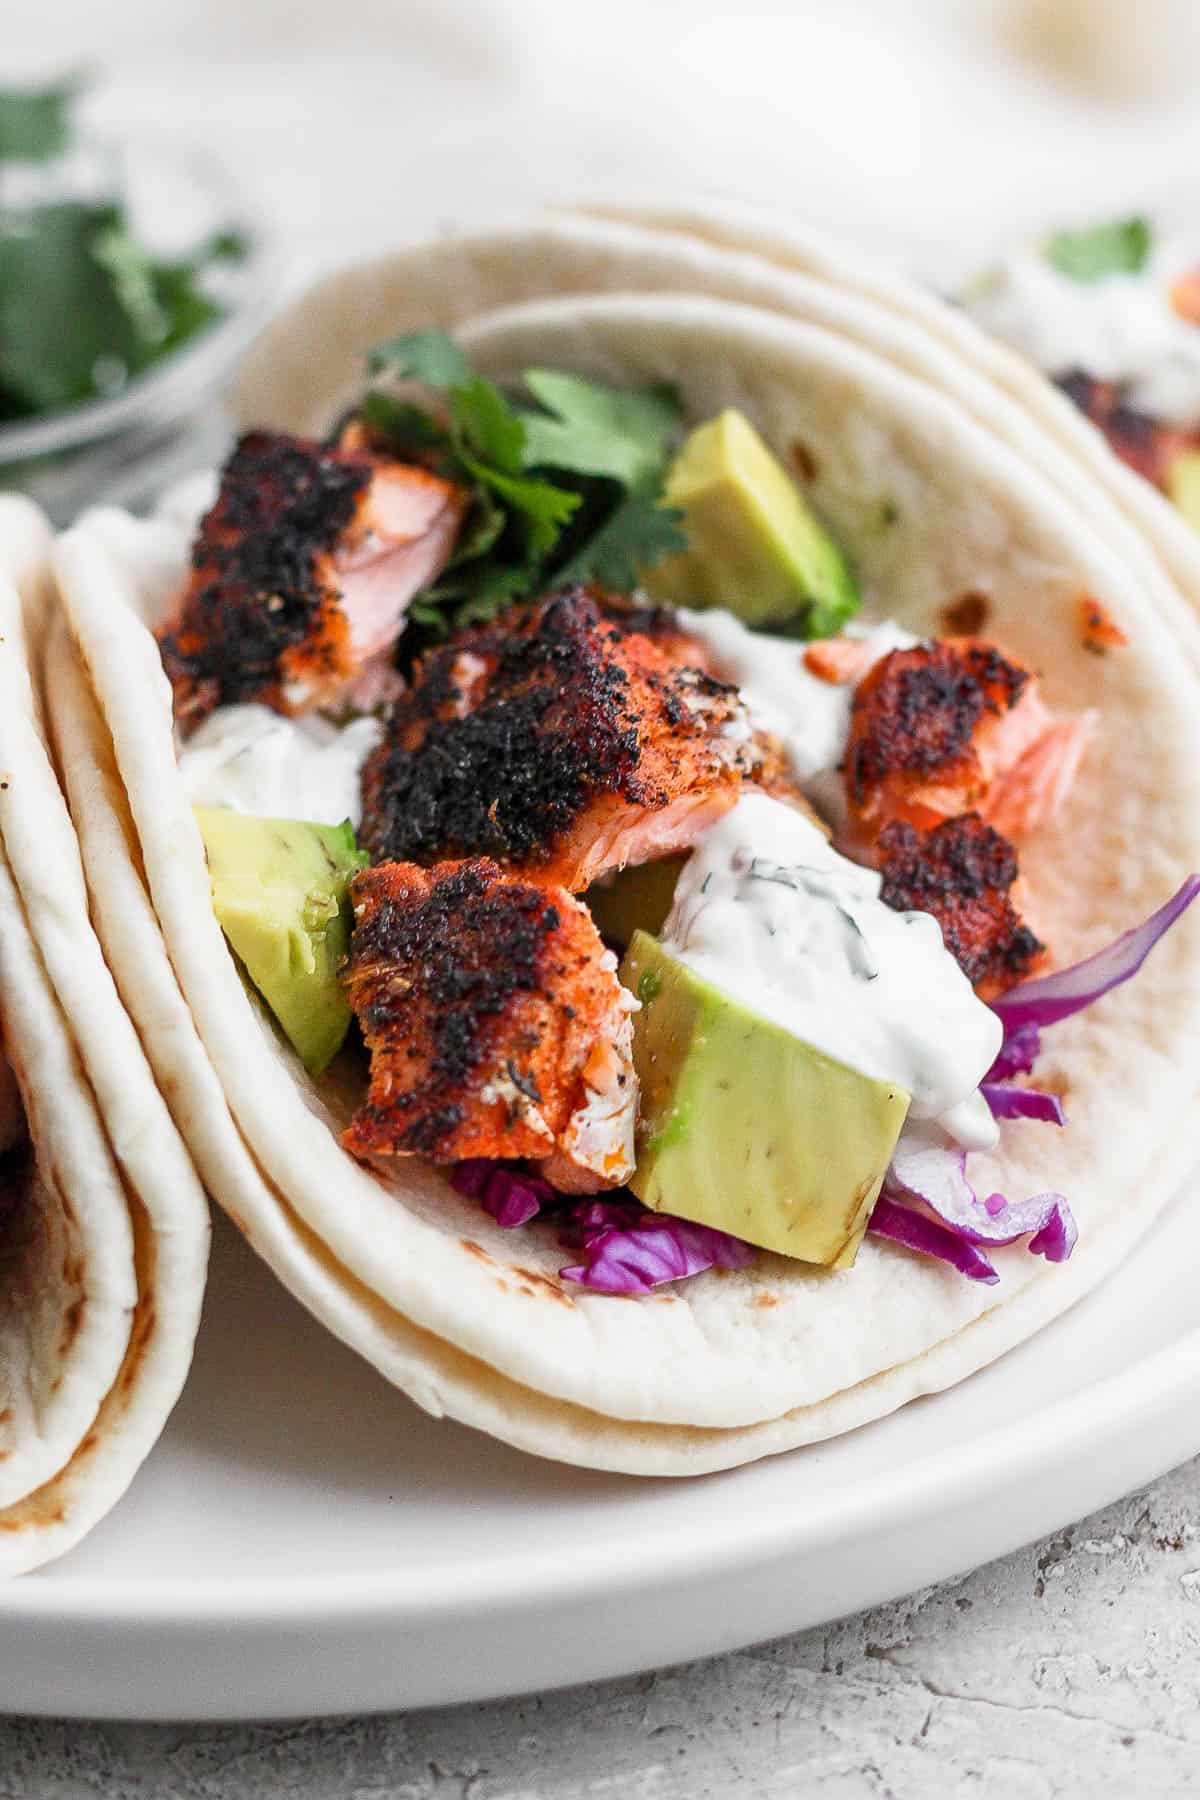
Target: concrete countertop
(1071, 1668)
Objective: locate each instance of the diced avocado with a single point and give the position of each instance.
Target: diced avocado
(1183, 485)
(279, 889)
(639, 897)
(747, 1128)
(754, 544)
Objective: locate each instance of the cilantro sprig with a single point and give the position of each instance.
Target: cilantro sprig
(566, 486)
(83, 306)
(1118, 247)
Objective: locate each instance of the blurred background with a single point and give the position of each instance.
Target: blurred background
(933, 130)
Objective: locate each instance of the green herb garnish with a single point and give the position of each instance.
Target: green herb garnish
(565, 489)
(1121, 247)
(83, 306)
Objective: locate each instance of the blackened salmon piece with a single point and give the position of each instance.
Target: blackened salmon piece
(964, 873)
(495, 1022)
(955, 726)
(1148, 444)
(567, 739)
(917, 716)
(301, 575)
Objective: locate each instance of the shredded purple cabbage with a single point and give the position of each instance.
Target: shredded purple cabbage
(630, 1259)
(623, 1249)
(1018, 1053)
(930, 1173)
(917, 1231)
(511, 1196)
(1049, 998)
(1009, 1101)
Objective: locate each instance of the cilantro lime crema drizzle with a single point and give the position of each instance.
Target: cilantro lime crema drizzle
(809, 716)
(253, 760)
(1113, 319)
(767, 911)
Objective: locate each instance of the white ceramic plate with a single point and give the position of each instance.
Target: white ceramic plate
(305, 1541)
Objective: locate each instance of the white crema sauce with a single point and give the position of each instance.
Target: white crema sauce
(1121, 327)
(767, 911)
(253, 760)
(809, 716)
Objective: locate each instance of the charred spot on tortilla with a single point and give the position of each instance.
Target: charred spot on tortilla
(483, 1001)
(963, 872)
(72, 1320)
(803, 460)
(1099, 631)
(256, 589)
(539, 1285)
(966, 615)
(540, 738)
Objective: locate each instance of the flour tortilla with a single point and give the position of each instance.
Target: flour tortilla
(308, 361)
(1024, 405)
(473, 1321)
(104, 1239)
(440, 1378)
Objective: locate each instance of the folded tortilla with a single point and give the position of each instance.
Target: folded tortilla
(103, 1224)
(934, 490)
(308, 361)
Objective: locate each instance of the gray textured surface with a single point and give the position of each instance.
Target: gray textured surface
(1069, 1668)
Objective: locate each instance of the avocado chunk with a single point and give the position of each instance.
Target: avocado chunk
(1183, 485)
(279, 890)
(636, 898)
(747, 1128)
(754, 544)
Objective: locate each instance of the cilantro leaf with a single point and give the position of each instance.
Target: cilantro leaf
(544, 509)
(84, 306)
(1120, 247)
(637, 535)
(487, 424)
(485, 523)
(406, 427)
(35, 123)
(565, 493)
(132, 276)
(474, 597)
(598, 430)
(492, 594)
(429, 356)
(65, 332)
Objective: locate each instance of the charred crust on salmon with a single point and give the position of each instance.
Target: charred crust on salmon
(963, 872)
(1148, 444)
(916, 712)
(512, 732)
(481, 999)
(302, 575)
(257, 589)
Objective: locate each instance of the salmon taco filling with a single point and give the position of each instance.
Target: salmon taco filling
(1111, 312)
(548, 777)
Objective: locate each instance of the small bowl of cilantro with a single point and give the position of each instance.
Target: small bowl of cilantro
(130, 280)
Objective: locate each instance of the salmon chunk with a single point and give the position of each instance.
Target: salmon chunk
(950, 727)
(301, 576)
(964, 873)
(566, 740)
(495, 1023)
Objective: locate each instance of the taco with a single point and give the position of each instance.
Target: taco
(593, 844)
(103, 1225)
